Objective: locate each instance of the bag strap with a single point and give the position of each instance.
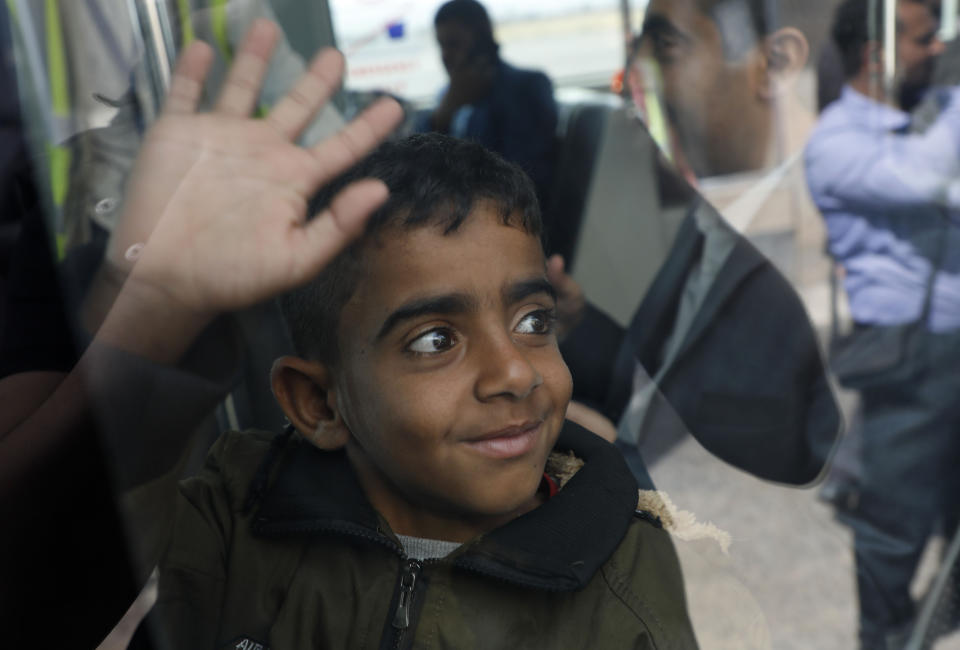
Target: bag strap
(834, 299)
(934, 268)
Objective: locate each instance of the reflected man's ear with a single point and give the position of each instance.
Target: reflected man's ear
(871, 59)
(306, 394)
(785, 53)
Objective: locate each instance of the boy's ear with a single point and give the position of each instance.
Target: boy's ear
(305, 391)
(785, 53)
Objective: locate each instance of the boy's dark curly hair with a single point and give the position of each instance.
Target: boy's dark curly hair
(434, 181)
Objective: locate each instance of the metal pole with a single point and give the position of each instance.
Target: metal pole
(948, 20)
(889, 46)
(154, 40)
(33, 58)
(154, 35)
(625, 24)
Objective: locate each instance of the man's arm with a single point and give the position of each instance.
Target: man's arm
(858, 167)
(469, 84)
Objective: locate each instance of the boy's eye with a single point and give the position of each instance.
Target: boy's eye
(536, 322)
(433, 341)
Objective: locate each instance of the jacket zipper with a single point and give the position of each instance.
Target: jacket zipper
(403, 615)
(408, 585)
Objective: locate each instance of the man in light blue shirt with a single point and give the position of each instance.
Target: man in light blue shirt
(883, 192)
(891, 201)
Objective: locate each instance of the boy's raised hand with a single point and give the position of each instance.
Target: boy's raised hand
(219, 200)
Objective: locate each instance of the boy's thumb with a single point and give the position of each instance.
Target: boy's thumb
(556, 273)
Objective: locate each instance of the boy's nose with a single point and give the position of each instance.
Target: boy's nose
(505, 371)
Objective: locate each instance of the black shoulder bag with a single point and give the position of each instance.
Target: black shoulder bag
(872, 356)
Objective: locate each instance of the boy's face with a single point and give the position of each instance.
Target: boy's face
(450, 380)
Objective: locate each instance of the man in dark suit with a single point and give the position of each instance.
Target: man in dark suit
(507, 109)
(720, 333)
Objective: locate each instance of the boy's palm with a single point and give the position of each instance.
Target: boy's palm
(220, 199)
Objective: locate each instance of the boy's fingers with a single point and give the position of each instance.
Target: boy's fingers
(242, 86)
(292, 113)
(555, 266)
(556, 273)
(355, 140)
(334, 228)
(186, 85)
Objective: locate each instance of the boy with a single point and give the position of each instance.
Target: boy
(411, 509)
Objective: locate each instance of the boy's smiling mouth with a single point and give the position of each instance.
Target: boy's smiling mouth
(509, 442)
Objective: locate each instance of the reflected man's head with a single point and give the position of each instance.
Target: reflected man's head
(464, 32)
(858, 31)
(427, 349)
(725, 64)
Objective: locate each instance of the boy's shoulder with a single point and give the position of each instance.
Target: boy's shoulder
(235, 464)
(644, 572)
(239, 454)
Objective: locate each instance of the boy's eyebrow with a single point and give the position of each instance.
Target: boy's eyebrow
(453, 303)
(520, 290)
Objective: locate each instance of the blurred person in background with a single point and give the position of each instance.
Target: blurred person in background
(721, 348)
(506, 109)
(725, 72)
(728, 72)
(890, 197)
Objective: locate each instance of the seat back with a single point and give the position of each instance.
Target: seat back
(580, 130)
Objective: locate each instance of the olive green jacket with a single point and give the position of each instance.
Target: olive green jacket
(275, 546)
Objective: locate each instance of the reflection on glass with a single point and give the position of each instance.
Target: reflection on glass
(691, 217)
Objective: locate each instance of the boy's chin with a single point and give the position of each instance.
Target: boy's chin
(522, 498)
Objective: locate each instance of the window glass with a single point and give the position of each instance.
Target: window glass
(750, 216)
